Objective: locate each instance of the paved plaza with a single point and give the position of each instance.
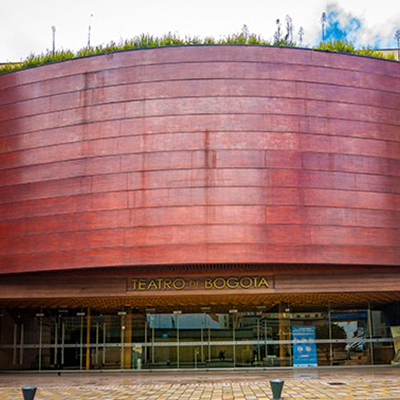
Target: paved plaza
(339, 383)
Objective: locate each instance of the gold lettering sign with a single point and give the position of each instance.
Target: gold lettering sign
(209, 283)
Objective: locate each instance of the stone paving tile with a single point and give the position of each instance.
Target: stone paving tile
(310, 387)
(383, 389)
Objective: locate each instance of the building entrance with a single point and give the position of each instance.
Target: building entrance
(130, 338)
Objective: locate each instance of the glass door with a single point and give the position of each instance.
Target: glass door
(350, 331)
(34, 339)
(162, 339)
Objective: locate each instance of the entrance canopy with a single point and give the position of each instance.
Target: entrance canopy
(218, 303)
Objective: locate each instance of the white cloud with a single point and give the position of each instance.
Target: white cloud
(378, 22)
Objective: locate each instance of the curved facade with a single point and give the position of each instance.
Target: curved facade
(200, 155)
(198, 207)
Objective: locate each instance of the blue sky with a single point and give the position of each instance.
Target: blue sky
(25, 25)
(344, 30)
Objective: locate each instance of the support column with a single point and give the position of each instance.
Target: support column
(128, 339)
(284, 332)
(330, 337)
(371, 345)
(88, 340)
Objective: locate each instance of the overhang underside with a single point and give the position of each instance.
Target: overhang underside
(216, 303)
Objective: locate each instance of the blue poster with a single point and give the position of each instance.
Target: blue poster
(304, 346)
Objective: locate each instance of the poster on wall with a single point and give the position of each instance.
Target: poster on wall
(396, 340)
(304, 346)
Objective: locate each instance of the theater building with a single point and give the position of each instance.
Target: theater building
(200, 207)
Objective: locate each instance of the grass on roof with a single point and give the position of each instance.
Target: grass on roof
(146, 41)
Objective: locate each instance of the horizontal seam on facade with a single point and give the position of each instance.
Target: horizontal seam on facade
(196, 115)
(220, 61)
(149, 171)
(197, 206)
(185, 132)
(260, 244)
(387, 210)
(358, 88)
(214, 96)
(206, 225)
(123, 102)
(302, 188)
(211, 187)
(299, 151)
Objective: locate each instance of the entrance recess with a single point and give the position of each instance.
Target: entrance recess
(146, 339)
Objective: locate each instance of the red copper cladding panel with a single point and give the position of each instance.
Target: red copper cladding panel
(200, 155)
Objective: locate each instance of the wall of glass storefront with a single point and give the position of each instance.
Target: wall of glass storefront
(52, 339)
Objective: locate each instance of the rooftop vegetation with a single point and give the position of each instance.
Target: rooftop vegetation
(146, 41)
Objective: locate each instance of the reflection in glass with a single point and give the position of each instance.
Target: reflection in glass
(50, 339)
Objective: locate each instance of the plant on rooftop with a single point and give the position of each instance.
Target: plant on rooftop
(342, 46)
(145, 41)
